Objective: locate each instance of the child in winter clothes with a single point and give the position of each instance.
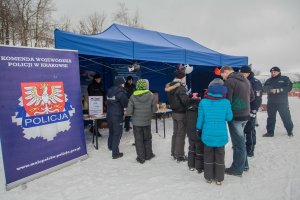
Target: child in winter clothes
(213, 112)
(195, 154)
(141, 107)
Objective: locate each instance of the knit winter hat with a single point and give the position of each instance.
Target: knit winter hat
(97, 76)
(142, 84)
(275, 69)
(129, 78)
(245, 69)
(179, 74)
(217, 81)
(217, 89)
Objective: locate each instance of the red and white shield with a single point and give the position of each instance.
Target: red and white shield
(41, 98)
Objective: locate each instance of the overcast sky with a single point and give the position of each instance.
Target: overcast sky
(268, 32)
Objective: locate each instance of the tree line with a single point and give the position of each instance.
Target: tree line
(31, 22)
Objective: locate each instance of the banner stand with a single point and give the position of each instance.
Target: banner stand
(41, 115)
(43, 173)
(2, 174)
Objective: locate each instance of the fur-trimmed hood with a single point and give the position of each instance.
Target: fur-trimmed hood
(172, 86)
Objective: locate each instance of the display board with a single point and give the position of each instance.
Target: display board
(95, 105)
(41, 113)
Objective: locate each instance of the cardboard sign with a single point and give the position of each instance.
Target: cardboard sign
(95, 105)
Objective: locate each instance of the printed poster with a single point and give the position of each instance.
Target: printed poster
(41, 114)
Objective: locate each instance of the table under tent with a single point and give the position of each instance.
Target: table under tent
(119, 47)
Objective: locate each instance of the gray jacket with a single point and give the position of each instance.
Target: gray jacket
(141, 107)
(240, 94)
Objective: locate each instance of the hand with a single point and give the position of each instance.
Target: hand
(274, 91)
(188, 92)
(157, 105)
(253, 113)
(199, 133)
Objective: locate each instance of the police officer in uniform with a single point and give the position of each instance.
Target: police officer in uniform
(277, 88)
(117, 100)
(249, 129)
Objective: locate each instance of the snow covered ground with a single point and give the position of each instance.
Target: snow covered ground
(274, 172)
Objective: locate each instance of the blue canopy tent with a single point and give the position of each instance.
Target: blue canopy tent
(157, 53)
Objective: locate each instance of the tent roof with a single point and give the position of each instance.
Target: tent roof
(125, 42)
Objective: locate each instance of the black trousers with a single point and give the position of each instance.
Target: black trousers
(143, 141)
(195, 154)
(250, 134)
(214, 164)
(285, 115)
(115, 134)
(127, 122)
(179, 133)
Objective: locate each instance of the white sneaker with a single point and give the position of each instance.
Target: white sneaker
(192, 169)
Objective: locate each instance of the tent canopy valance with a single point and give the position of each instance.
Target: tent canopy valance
(125, 42)
(157, 53)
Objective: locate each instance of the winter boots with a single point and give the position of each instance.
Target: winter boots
(229, 171)
(118, 155)
(268, 135)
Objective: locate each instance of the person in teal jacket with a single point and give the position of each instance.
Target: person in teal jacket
(213, 113)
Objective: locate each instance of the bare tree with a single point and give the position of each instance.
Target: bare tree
(122, 16)
(26, 22)
(65, 24)
(135, 21)
(43, 23)
(93, 24)
(30, 22)
(6, 21)
(23, 16)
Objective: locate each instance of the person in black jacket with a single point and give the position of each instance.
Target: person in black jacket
(277, 88)
(95, 89)
(130, 88)
(249, 130)
(117, 100)
(178, 100)
(196, 147)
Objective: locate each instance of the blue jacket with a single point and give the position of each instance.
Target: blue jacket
(213, 112)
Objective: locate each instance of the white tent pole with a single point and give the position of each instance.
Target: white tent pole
(95, 62)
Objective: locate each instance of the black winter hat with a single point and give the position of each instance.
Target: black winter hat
(129, 78)
(179, 74)
(119, 81)
(97, 76)
(275, 69)
(245, 69)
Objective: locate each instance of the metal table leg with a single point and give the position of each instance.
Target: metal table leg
(156, 122)
(164, 125)
(95, 133)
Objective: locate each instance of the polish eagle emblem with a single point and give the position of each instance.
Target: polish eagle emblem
(41, 98)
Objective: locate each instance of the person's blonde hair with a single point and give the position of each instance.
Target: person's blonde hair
(226, 68)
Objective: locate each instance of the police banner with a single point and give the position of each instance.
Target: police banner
(41, 114)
